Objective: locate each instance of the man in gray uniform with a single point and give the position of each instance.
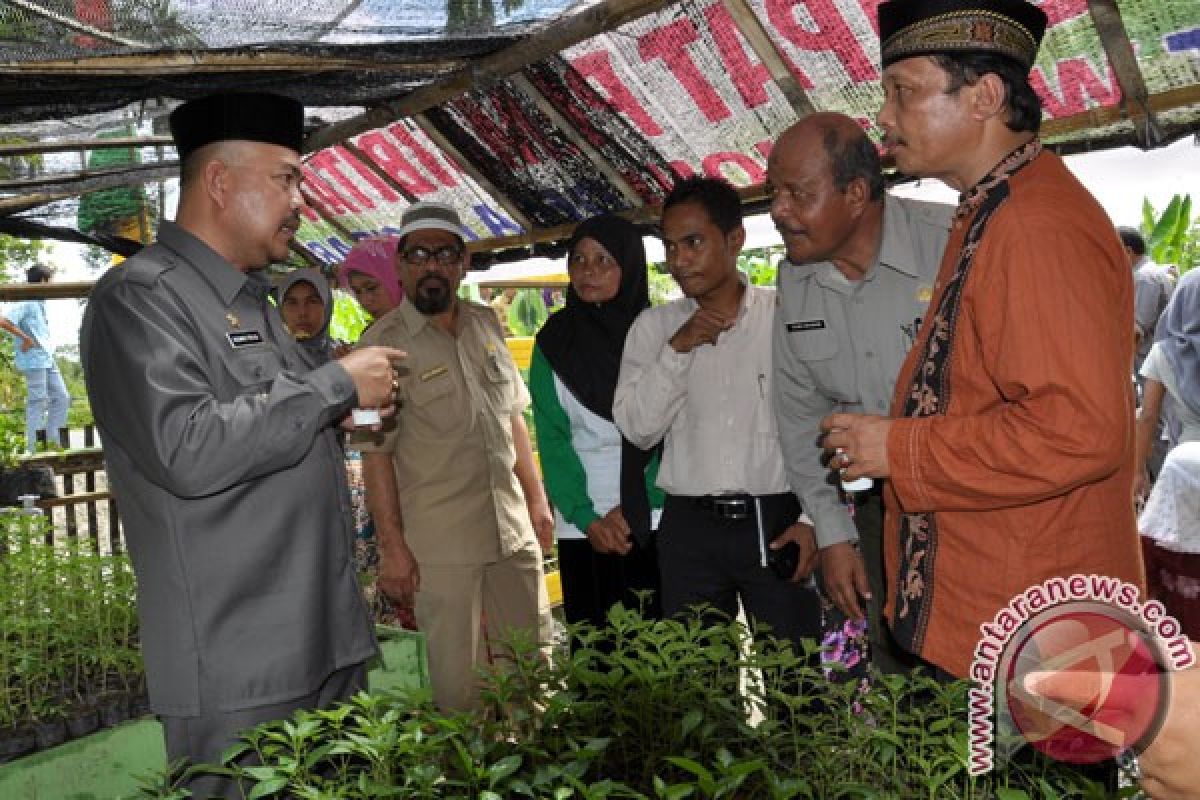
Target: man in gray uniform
(221, 445)
(852, 293)
(1152, 289)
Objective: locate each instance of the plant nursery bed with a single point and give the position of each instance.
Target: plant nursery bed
(109, 764)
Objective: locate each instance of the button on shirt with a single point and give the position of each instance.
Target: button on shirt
(30, 316)
(711, 406)
(451, 438)
(838, 344)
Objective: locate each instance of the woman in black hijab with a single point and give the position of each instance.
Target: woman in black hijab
(600, 484)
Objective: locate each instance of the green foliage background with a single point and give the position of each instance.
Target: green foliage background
(349, 319)
(1172, 237)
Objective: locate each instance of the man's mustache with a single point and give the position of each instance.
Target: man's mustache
(433, 276)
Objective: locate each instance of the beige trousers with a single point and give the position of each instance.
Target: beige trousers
(507, 595)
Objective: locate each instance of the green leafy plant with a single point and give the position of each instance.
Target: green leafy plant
(662, 285)
(349, 319)
(1172, 237)
(121, 210)
(643, 709)
(69, 625)
(527, 313)
(759, 264)
(12, 439)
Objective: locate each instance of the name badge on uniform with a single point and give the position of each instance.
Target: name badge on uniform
(806, 325)
(430, 374)
(239, 339)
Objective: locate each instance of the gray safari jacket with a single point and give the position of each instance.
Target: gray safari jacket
(229, 478)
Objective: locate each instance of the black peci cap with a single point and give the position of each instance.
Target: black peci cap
(251, 116)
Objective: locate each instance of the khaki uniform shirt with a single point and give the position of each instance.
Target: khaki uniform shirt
(222, 454)
(839, 344)
(451, 440)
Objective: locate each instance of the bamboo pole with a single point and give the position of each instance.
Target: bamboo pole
(318, 208)
(63, 180)
(67, 145)
(189, 63)
(1118, 48)
(761, 43)
(383, 175)
(1100, 117)
(12, 292)
(598, 161)
(470, 169)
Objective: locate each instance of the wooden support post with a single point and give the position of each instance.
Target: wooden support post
(599, 162)
(760, 41)
(367, 162)
(319, 209)
(470, 169)
(1118, 48)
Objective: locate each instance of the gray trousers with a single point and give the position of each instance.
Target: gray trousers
(202, 739)
(887, 655)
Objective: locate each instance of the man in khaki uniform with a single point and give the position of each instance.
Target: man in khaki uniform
(452, 483)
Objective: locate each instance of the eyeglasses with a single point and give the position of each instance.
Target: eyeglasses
(444, 256)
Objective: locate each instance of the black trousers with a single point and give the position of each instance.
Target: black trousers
(594, 582)
(705, 558)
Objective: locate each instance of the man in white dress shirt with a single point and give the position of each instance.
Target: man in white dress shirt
(697, 374)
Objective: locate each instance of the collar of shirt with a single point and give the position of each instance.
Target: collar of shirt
(413, 320)
(226, 280)
(416, 322)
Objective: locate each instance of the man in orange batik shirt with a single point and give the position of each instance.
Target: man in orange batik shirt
(1008, 449)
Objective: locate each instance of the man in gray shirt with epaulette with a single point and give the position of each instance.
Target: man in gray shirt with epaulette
(221, 446)
(859, 274)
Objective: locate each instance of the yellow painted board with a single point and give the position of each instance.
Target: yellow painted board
(521, 348)
(554, 588)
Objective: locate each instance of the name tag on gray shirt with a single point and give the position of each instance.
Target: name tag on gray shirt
(239, 339)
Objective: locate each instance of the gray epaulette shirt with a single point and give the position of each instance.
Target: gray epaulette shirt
(838, 344)
(229, 478)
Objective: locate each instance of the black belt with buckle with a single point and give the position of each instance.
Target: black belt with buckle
(727, 506)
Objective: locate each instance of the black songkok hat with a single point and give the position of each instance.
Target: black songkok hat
(252, 116)
(1010, 28)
